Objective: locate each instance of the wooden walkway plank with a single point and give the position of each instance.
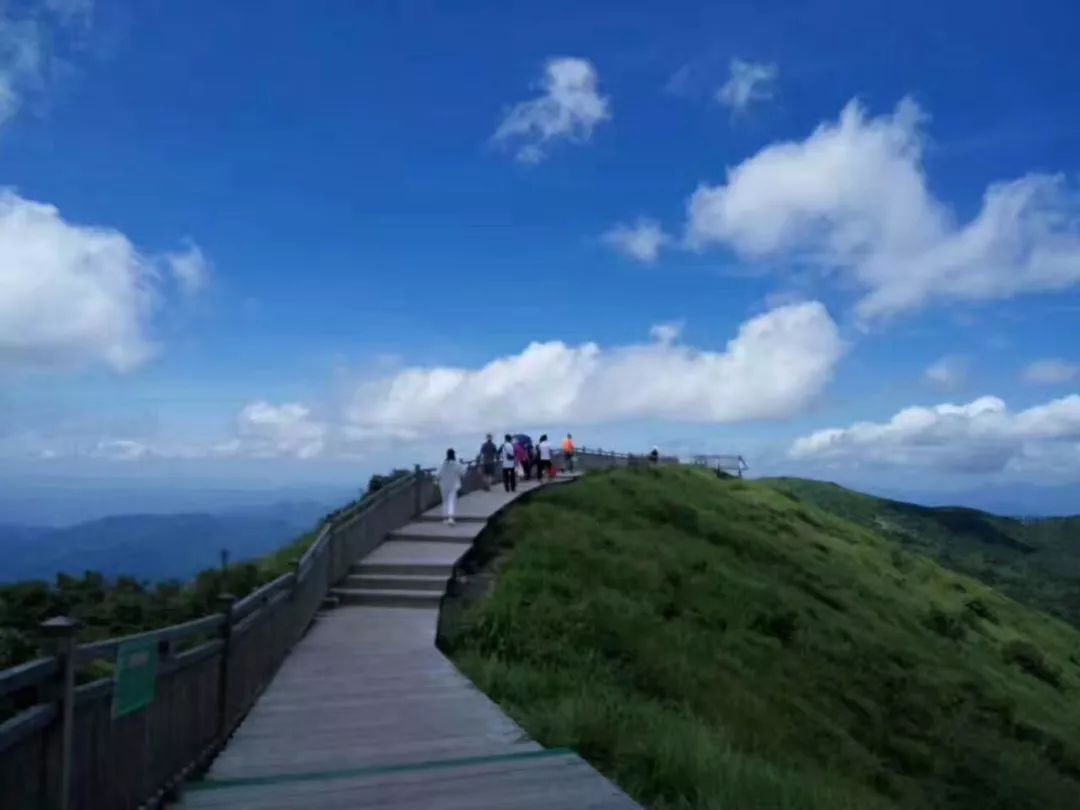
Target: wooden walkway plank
(367, 712)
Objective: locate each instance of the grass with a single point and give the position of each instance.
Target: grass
(1035, 561)
(720, 644)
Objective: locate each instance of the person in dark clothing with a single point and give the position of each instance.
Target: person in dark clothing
(489, 454)
(528, 464)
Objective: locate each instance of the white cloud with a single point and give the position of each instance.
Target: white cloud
(774, 367)
(979, 437)
(71, 11)
(189, 268)
(1052, 371)
(666, 333)
(569, 109)
(29, 43)
(263, 430)
(641, 241)
(949, 373)
(21, 58)
(853, 198)
(73, 295)
(120, 450)
(748, 82)
(267, 430)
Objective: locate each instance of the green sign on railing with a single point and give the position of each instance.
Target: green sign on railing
(135, 676)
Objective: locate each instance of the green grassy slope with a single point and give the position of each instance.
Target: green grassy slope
(718, 644)
(1036, 561)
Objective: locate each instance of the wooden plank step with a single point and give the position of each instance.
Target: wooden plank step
(407, 568)
(436, 532)
(435, 517)
(395, 582)
(385, 598)
(416, 552)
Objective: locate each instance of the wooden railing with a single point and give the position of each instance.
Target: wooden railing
(67, 750)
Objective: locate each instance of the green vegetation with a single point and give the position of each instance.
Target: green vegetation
(1035, 561)
(721, 644)
(107, 609)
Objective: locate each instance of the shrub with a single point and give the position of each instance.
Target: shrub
(1029, 658)
(781, 625)
(945, 624)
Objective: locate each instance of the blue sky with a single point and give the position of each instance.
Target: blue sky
(286, 242)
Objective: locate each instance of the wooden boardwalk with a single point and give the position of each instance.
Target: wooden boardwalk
(366, 712)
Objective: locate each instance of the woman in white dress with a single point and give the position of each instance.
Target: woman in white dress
(450, 474)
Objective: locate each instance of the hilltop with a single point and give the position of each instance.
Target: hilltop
(725, 644)
(1035, 561)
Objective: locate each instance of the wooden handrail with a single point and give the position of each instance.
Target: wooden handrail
(27, 674)
(251, 602)
(106, 650)
(241, 649)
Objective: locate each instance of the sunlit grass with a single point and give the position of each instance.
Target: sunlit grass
(721, 644)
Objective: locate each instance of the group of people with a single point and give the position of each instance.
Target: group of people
(516, 456)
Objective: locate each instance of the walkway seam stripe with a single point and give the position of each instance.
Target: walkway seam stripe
(352, 773)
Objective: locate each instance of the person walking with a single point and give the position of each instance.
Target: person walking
(489, 453)
(569, 451)
(450, 474)
(509, 461)
(521, 456)
(543, 458)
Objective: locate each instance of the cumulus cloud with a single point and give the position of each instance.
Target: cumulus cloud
(981, 436)
(73, 295)
(189, 268)
(853, 198)
(28, 45)
(568, 109)
(949, 373)
(641, 241)
(268, 430)
(70, 11)
(263, 430)
(748, 82)
(666, 333)
(1052, 371)
(21, 58)
(773, 368)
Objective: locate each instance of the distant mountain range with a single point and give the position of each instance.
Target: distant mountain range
(1016, 500)
(151, 546)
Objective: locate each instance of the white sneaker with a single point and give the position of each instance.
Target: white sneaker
(450, 521)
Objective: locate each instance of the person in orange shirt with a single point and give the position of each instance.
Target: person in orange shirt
(568, 451)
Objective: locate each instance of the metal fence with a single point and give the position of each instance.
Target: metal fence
(67, 750)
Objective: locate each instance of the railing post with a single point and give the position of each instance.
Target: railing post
(417, 487)
(330, 551)
(61, 630)
(294, 563)
(226, 602)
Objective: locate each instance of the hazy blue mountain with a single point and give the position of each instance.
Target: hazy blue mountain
(1016, 500)
(57, 500)
(152, 546)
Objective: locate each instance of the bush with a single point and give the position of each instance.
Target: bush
(781, 625)
(945, 624)
(1029, 658)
